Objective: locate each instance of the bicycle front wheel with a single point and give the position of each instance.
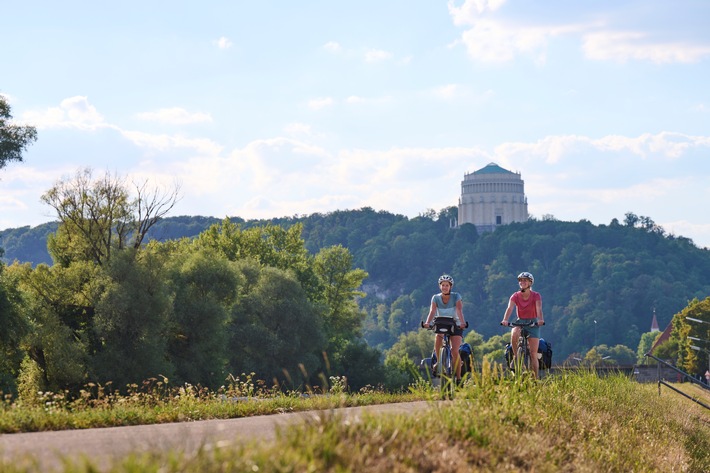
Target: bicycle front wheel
(525, 356)
(522, 360)
(444, 365)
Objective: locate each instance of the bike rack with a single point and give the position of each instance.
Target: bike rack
(662, 382)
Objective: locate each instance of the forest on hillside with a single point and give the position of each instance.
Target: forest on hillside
(601, 284)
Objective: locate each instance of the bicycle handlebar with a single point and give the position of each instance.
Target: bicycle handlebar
(432, 326)
(523, 324)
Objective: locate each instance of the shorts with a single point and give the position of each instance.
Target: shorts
(533, 331)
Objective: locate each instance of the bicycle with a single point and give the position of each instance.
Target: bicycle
(444, 359)
(522, 361)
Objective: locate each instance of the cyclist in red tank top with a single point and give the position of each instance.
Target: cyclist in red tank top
(528, 305)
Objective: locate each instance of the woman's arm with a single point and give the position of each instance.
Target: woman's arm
(432, 311)
(508, 311)
(459, 311)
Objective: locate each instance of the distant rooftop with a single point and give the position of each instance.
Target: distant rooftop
(492, 168)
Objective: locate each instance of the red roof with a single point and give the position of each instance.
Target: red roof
(663, 338)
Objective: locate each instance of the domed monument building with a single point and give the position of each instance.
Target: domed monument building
(492, 196)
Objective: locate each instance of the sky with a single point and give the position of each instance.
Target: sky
(263, 109)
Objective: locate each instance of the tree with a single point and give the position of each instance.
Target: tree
(58, 305)
(645, 344)
(132, 319)
(204, 287)
(340, 283)
(98, 215)
(13, 327)
(275, 331)
(14, 139)
(269, 245)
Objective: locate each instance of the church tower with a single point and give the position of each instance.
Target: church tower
(492, 196)
(654, 322)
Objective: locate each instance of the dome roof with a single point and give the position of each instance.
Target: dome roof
(492, 168)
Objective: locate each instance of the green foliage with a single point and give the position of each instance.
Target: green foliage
(375, 281)
(339, 285)
(27, 244)
(269, 245)
(13, 328)
(14, 139)
(95, 216)
(690, 359)
(204, 287)
(645, 345)
(132, 319)
(274, 327)
(57, 302)
(360, 364)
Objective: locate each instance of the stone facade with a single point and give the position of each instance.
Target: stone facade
(492, 196)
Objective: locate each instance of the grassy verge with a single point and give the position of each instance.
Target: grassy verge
(575, 422)
(155, 403)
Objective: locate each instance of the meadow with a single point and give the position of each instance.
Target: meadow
(576, 422)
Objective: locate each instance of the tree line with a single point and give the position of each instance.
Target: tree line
(113, 308)
(115, 290)
(600, 286)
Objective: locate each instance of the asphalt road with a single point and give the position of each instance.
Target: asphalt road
(104, 446)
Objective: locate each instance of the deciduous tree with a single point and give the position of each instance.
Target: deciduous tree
(14, 139)
(99, 215)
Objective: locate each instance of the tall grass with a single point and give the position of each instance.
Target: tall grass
(574, 422)
(156, 402)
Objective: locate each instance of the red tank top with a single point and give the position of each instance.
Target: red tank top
(527, 309)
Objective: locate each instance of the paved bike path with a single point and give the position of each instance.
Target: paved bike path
(105, 445)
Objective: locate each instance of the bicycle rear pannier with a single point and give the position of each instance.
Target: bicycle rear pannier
(465, 354)
(545, 348)
(509, 355)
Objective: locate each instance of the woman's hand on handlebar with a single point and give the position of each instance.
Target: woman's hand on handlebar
(505, 323)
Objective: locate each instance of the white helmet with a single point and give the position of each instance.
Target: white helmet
(526, 275)
(446, 277)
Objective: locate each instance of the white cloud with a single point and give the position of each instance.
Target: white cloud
(320, 103)
(358, 100)
(73, 112)
(223, 43)
(628, 46)
(497, 42)
(161, 142)
(175, 116)
(448, 91)
(332, 46)
(555, 149)
(472, 9)
(298, 129)
(377, 55)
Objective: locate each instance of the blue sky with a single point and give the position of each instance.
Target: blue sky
(279, 108)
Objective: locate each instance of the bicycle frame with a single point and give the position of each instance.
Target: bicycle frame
(445, 370)
(523, 350)
(444, 359)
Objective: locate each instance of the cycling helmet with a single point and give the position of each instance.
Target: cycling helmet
(526, 275)
(446, 277)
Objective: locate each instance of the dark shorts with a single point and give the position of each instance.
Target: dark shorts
(533, 331)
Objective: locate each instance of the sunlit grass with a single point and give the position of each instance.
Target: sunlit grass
(570, 422)
(155, 402)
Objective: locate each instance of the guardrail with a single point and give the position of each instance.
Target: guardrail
(686, 375)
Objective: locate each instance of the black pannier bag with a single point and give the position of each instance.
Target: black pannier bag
(545, 348)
